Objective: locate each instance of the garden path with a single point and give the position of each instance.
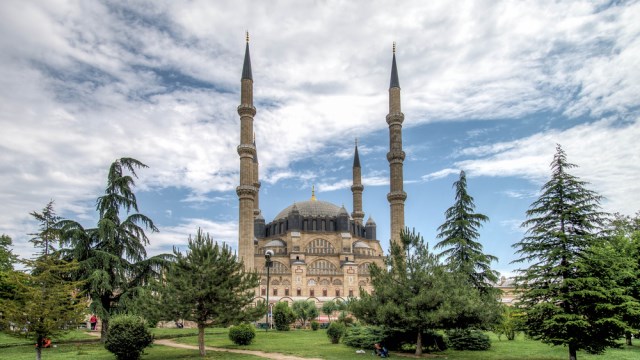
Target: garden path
(266, 355)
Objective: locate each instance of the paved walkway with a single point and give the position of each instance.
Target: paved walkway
(274, 356)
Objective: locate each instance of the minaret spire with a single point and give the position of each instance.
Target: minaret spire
(396, 195)
(357, 189)
(256, 179)
(247, 191)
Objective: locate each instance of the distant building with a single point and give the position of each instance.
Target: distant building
(320, 251)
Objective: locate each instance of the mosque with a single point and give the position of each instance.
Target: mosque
(318, 251)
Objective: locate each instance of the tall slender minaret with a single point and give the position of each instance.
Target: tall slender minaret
(246, 191)
(396, 195)
(256, 180)
(356, 189)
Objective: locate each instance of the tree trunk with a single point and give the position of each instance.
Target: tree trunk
(572, 352)
(419, 343)
(104, 329)
(38, 353)
(627, 336)
(201, 340)
(39, 343)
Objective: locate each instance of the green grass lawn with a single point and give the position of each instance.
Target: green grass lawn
(306, 343)
(303, 343)
(98, 352)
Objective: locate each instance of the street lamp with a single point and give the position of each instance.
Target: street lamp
(268, 263)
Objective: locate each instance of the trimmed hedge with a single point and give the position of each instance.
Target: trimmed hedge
(242, 334)
(127, 337)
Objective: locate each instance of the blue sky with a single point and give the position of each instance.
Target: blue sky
(488, 87)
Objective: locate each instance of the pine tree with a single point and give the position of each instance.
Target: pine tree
(415, 293)
(459, 235)
(209, 285)
(562, 296)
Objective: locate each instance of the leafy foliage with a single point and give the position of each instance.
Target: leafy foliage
(209, 285)
(468, 340)
(511, 322)
(314, 325)
(7, 258)
(128, 336)
(335, 331)
(45, 301)
(459, 235)
(242, 334)
(112, 255)
(304, 311)
(328, 307)
(283, 316)
(567, 300)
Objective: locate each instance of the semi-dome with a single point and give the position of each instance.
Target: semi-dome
(311, 208)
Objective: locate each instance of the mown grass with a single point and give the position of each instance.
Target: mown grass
(98, 352)
(306, 343)
(303, 343)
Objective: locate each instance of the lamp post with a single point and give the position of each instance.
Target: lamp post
(268, 263)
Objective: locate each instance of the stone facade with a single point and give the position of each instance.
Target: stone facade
(320, 252)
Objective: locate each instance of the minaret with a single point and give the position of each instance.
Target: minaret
(246, 191)
(256, 179)
(396, 195)
(356, 189)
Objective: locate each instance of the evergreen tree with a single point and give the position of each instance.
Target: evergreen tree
(415, 293)
(209, 285)
(459, 235)
(7, 258)
(112, 255)
(621, 256)
(562, 297)
(46, 302)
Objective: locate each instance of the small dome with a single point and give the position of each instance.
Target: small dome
(310, 208)
(370, 221)
(343, 211)
(276, 243)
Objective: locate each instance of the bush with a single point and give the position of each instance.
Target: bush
(401, 339)
(127, 337)
(242, 334)
(315, 325)
(283, 316)
(468, 340)
(335, 331)
(363, 337)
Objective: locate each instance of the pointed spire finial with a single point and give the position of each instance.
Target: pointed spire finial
(356, 142)
(246, 67)
(394, 70)
(247, 32)
(394, 44)
(313, 193)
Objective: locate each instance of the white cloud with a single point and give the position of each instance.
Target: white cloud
(440, 174)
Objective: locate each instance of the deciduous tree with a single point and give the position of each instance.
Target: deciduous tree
(304, 310)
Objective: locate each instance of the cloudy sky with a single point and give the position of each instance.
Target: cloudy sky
(487, 86)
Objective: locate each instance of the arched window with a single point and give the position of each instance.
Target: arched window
(276, 268)
(320, 246)
(323, 267)
(363, 269)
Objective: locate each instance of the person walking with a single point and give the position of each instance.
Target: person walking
(93, 321)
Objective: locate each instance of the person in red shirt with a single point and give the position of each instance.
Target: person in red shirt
(93, 321)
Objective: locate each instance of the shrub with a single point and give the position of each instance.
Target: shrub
(468, 340)
(315, 325)
(401, 339)
(127, 337)
(283, 316)
(363, 337)
(335, 331)
(242, 334)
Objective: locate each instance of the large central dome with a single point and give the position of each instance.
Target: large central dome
(311, 208)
